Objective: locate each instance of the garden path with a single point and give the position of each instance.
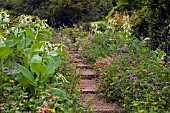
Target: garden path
(88, 85)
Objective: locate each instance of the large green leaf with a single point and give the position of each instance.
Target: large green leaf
(5, 51)
(52, 64)
(39, 69)
(21, 79)
(27, 74)
(36, 59)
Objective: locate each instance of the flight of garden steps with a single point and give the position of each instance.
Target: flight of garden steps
(88, 85)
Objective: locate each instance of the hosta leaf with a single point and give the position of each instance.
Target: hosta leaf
(27, 74)
(38, 68)
(36, 59)
(52, 64)
(21, 79)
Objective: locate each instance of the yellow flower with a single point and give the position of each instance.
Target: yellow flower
(5, 94)
(57, 97)
(12, 81)
(137, 99)
(154, 103)
(58, 105)
(141, 111)
(124, 105)
(25, 96)
(135, 104)
(1, 105)
(21, 104)
(30, 99)
(52, 110)
(146, 103)
(162, 106)
(155, 108)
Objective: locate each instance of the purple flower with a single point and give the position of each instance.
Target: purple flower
(6, 69)
(148, 88)
(160, 62)
(128, 61)
(76, 55)
(63, 67)
(144, 56)
(133, 91)
(116, 89)
(84, 69)
(164, 87)
(84, 60)
(71, 52)
(163, 83)
(135, 78)
(10, 71)
(111, 54)
(159, 93)
(118, 68)
(155, 87)
(101, 94)
(16, 67)
(119, 75)
(134, 51)
(135, 64)
(152, 74)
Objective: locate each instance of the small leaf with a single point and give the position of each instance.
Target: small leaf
(24, 43)
(6, 20)
(29, 33)
(58, 92)
(5, 51)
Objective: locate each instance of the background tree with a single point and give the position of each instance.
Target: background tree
(59, 12)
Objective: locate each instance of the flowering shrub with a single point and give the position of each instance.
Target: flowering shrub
(31, 80)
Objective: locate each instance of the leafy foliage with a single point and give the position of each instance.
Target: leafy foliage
(59, 12)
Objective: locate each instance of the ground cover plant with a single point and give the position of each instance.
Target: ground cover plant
(132, 74)
(31, 78)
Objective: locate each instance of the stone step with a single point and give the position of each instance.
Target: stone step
(98, 104)
(76, 60)
(87, 86)
(81, 65)
(74, 52)
(87, 73)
